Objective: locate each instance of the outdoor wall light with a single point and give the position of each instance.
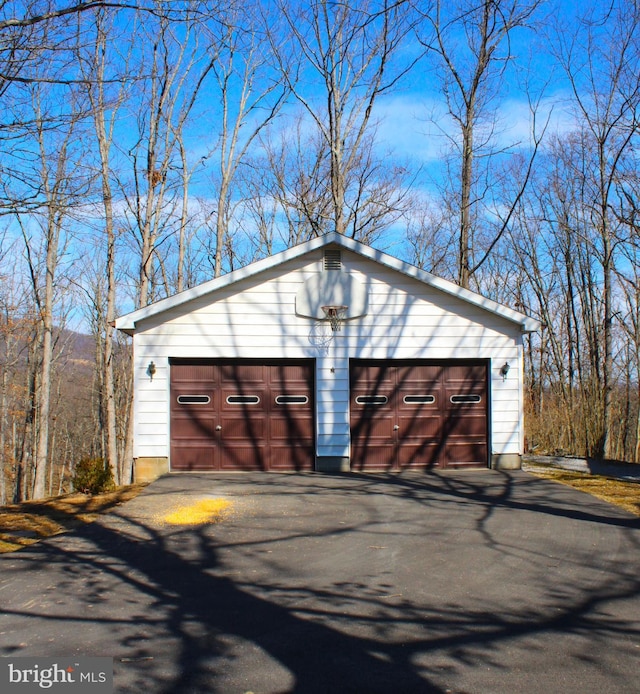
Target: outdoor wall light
(151, 369)
(504, 370)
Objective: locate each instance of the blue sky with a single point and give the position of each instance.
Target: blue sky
(412, 124)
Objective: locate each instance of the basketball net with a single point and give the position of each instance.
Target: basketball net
(335, 315)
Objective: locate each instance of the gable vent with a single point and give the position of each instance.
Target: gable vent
(332, 260)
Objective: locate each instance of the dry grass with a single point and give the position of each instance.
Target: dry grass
(26, 523)
(622, 493)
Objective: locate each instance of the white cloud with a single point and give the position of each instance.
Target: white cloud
(420, 128)
(413, 126)
(517, 120)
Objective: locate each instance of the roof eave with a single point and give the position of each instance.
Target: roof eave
(527, 324)
(129, 322)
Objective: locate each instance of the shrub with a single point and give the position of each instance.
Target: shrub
(92, 476)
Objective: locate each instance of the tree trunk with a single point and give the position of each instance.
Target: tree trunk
(46, 356)
(180, 284)
(108, 396)
(608, 443)
(3, 440)
(464, 242)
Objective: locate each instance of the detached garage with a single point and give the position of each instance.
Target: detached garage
(328, 356)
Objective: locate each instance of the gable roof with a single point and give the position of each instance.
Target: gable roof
(129, 322)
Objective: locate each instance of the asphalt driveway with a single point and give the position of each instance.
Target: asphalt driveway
(448, 582)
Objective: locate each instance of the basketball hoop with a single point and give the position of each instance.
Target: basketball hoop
(335, 315)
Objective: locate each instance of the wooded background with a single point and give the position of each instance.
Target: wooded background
(148, 146)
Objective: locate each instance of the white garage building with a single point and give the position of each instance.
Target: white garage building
(328, 356)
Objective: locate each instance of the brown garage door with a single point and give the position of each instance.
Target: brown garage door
(418, 415)
(242, 415)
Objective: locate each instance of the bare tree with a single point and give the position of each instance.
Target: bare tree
(290, 178)
(61, 183)
(340, 59)
(472, 47)
(630, 282)
(545, 243)
(250, 93)
(14, 329)
(428, 238)
(602, 62)
(105, 80)
(29, 28)
(178, 60)
(176, 63)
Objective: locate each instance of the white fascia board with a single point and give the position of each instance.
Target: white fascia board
(128, 322)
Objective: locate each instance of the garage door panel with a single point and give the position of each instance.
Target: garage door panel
(243, 457)
(419, 376)
(435, 414)
(192, 417)
(186, 417)
(189, 396)
(194, 373)
(379, 457)
(372, 426)
(291, 376)
(467, 426)
(424, 455)
(191, 457)
(465, 402)
(291, 419)
(238, 428)
(193, 428)
(242, 375)
(242, 397)
(464, 373)
(242, 427)
(426, 399)
(465, 454)
(199, 395)
(285, 458)
(291, 403)
(372, 379)
(419, 426)
(294, 430)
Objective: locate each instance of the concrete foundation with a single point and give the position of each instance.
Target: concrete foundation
(506, 461)
(332, 463)
(149, 469)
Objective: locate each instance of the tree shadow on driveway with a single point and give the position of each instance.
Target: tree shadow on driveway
(346, 583)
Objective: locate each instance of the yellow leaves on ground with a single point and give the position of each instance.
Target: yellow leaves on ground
(199, 513)
(25, 523)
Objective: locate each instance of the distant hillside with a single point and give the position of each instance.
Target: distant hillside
(70, 348)
(76, 347)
